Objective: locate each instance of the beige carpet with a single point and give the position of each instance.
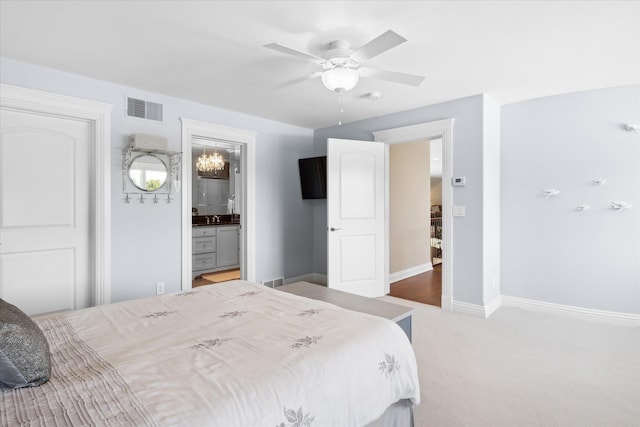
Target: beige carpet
(522, 368)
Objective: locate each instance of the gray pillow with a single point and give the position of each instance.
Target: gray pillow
(24, 352)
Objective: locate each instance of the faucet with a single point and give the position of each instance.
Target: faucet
(207, 220)
(216, 219)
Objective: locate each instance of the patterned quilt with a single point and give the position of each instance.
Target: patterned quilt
(229, 354)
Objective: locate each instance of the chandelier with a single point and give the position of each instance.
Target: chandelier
(210, 162)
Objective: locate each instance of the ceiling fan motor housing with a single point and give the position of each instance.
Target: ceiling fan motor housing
(338, 54)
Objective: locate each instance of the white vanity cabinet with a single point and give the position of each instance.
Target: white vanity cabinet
(228, 248)
(215, 248)
(203, 249)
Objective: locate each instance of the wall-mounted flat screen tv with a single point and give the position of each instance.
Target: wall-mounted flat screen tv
(313, 177)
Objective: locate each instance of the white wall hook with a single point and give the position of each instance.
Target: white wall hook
(620, 205)
(551, 192)
(632, 128)
(582, 208)
(599, 181)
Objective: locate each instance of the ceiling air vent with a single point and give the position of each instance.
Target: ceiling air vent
(144, 109)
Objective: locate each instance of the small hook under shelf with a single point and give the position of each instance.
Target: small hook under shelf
(619, 206)
(632, 128)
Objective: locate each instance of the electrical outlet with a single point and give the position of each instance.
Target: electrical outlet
(159, 288)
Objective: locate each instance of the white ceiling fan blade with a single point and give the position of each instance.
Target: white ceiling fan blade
(297, 53)
(375, 47)
(299, 80)
(392, 76)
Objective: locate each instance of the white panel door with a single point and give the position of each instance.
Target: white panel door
(355, 217)
(45, 262)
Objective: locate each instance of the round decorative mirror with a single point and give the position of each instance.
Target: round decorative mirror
(148, 173)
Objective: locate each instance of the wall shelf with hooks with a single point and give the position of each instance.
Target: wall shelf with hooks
(149, 172)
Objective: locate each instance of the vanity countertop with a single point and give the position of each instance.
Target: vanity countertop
(216, 224)
(214, 220)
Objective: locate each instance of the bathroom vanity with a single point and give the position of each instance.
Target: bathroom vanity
(215, 246)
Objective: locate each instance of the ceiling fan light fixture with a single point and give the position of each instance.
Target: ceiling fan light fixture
(340, 79)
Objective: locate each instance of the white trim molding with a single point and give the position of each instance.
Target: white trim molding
(196, 129)
(475, 310)
(99, 115)
(470, 309)
(311, 277)
(410, 272)
(492, 306)
(431, 130)
(626, 319)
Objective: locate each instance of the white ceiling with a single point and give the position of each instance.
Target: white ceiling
(212, 51)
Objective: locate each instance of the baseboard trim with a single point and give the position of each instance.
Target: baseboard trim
(466, 308)
(410, 272)
(311, 277)
(492, 306)
(446, 303)
(483, 311)
(626, 319)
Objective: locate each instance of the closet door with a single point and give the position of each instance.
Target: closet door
(45, 230)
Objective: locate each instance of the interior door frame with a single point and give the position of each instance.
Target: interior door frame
(196, 129)
(98, 114)
(430, 130)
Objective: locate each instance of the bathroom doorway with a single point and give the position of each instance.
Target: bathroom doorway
(216, 195)
(244, 202)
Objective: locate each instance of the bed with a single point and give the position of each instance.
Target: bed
(229, 354)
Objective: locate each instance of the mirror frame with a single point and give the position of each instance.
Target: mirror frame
(166, 168)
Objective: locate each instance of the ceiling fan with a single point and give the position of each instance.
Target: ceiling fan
(342, 66)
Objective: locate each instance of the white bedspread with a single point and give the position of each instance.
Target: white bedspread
(229, 354)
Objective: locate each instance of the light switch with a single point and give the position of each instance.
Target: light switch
(459, 181)
(458, 211)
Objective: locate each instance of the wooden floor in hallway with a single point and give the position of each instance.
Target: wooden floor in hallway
(425, 287)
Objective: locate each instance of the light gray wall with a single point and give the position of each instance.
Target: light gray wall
(550, 251)
(146, 240)
(467, 161)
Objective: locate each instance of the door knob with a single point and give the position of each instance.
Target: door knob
(335, 229)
